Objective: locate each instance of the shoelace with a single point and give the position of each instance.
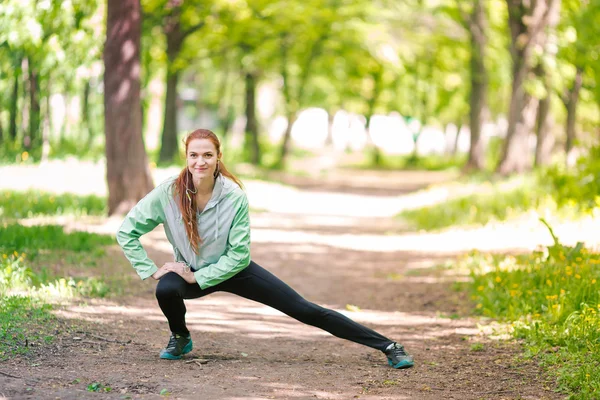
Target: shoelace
(397, 351)
(172, 343)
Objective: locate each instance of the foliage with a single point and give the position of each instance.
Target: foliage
(551, 297)
(579, 186)
(17, 204)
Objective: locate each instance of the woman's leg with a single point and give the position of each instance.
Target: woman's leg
(256, 283)
(171, 290)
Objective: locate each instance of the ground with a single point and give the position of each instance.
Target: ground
(336, 242)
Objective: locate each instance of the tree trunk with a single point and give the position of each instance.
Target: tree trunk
(169, 147)
(571, 105)
(85, 113)
(175, 37)
(33, 139)
(329, 137)
(545, 138)
(479, 86)
(127, 171)
(526, 20)
(287, 138)
(14, 108)
(251, 141)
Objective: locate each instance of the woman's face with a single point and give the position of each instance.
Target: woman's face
(202, 158)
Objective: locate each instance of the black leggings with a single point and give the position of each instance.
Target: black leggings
(256, 283)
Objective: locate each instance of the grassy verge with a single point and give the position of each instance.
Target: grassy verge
(29, 286)
(499, 201)
(14, 204)
(551, 298)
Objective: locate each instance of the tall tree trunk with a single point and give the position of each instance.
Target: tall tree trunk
(34, 107)
(571, 104)
(292, 116)
(479, 86)
(223, 108)
(168, 147)
(371, 104)
(251, 141)
(526, 20)
(14, 107)
(47, 123)
(127, 171)
(545, 138)
(175, 36)
(85, 113)
(330, 119)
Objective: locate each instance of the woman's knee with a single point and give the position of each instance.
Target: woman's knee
(170, 285)
(309, 313)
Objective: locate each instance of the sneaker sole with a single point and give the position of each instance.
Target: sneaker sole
(402, 364)
(166, 356)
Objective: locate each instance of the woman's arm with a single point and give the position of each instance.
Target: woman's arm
(143, 218)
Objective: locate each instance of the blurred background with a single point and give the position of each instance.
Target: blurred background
(499, 87)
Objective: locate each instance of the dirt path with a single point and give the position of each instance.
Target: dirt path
(347, 261)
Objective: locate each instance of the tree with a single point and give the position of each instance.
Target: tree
(127, 171)
(479, 85)
(545, 71)
(178, 20)
(527, 21)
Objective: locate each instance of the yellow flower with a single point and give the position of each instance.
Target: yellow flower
(479, 305)
(16, 253)
(577, 276)
(569, 272)
(498, 279)
(548, 282)
(515, 285)
(554, 305)
(593, 281)
(578, 259)
(480, 288)
(4, 256)
(24, 156)
(562, 291)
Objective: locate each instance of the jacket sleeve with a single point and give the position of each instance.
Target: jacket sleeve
(143, 218)
(237, 254)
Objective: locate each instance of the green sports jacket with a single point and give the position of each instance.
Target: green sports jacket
(224, 227)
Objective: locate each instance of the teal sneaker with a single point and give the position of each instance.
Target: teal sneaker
(397, 356)
(178, 346)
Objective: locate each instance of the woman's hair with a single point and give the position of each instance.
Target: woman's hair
(184, 186)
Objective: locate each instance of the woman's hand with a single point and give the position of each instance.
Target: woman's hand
(180, 269)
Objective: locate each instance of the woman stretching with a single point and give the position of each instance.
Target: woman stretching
(205, 215)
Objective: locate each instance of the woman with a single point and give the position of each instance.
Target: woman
(205, 215)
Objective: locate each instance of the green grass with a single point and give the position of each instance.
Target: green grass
(478, 209)
(28, 286)
(551, 298)
(32, 203)
(432, 162)
(23, 321)
(32, 239)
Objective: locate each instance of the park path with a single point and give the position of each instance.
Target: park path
(335, 242)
